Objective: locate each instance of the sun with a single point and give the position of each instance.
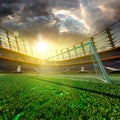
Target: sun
(42, 47)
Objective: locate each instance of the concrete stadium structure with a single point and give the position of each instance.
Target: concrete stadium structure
(15, 51)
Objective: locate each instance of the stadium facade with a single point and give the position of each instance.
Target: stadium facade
(15, 51)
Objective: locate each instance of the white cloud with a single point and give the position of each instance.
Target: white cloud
(70, 23)
(10, 17)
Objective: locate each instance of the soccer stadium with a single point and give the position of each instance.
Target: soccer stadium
(80, 81)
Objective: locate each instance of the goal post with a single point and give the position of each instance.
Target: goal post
(97, 64)
(89, 65)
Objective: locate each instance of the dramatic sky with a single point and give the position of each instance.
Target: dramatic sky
(59, 22)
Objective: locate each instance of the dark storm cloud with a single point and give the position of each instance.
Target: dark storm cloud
(115, 6)
(100, 14)
(64, 4)
(33, 17)
(38, 8)
(33, 8)
(4, 11)
(24, 14)
(30, 8)
(9, 1)
(8, 9)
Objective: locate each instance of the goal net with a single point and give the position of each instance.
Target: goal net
(89, 65)
(99, 70)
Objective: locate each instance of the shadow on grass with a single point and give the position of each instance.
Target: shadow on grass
(79, 88)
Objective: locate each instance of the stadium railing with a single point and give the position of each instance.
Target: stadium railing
(104, 42)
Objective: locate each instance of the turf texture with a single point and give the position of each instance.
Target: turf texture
(41, 97)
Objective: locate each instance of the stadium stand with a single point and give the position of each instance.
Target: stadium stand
(15, 51)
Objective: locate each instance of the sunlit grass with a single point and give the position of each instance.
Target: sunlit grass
(31, 97)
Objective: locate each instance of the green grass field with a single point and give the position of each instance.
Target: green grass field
(67, 97)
